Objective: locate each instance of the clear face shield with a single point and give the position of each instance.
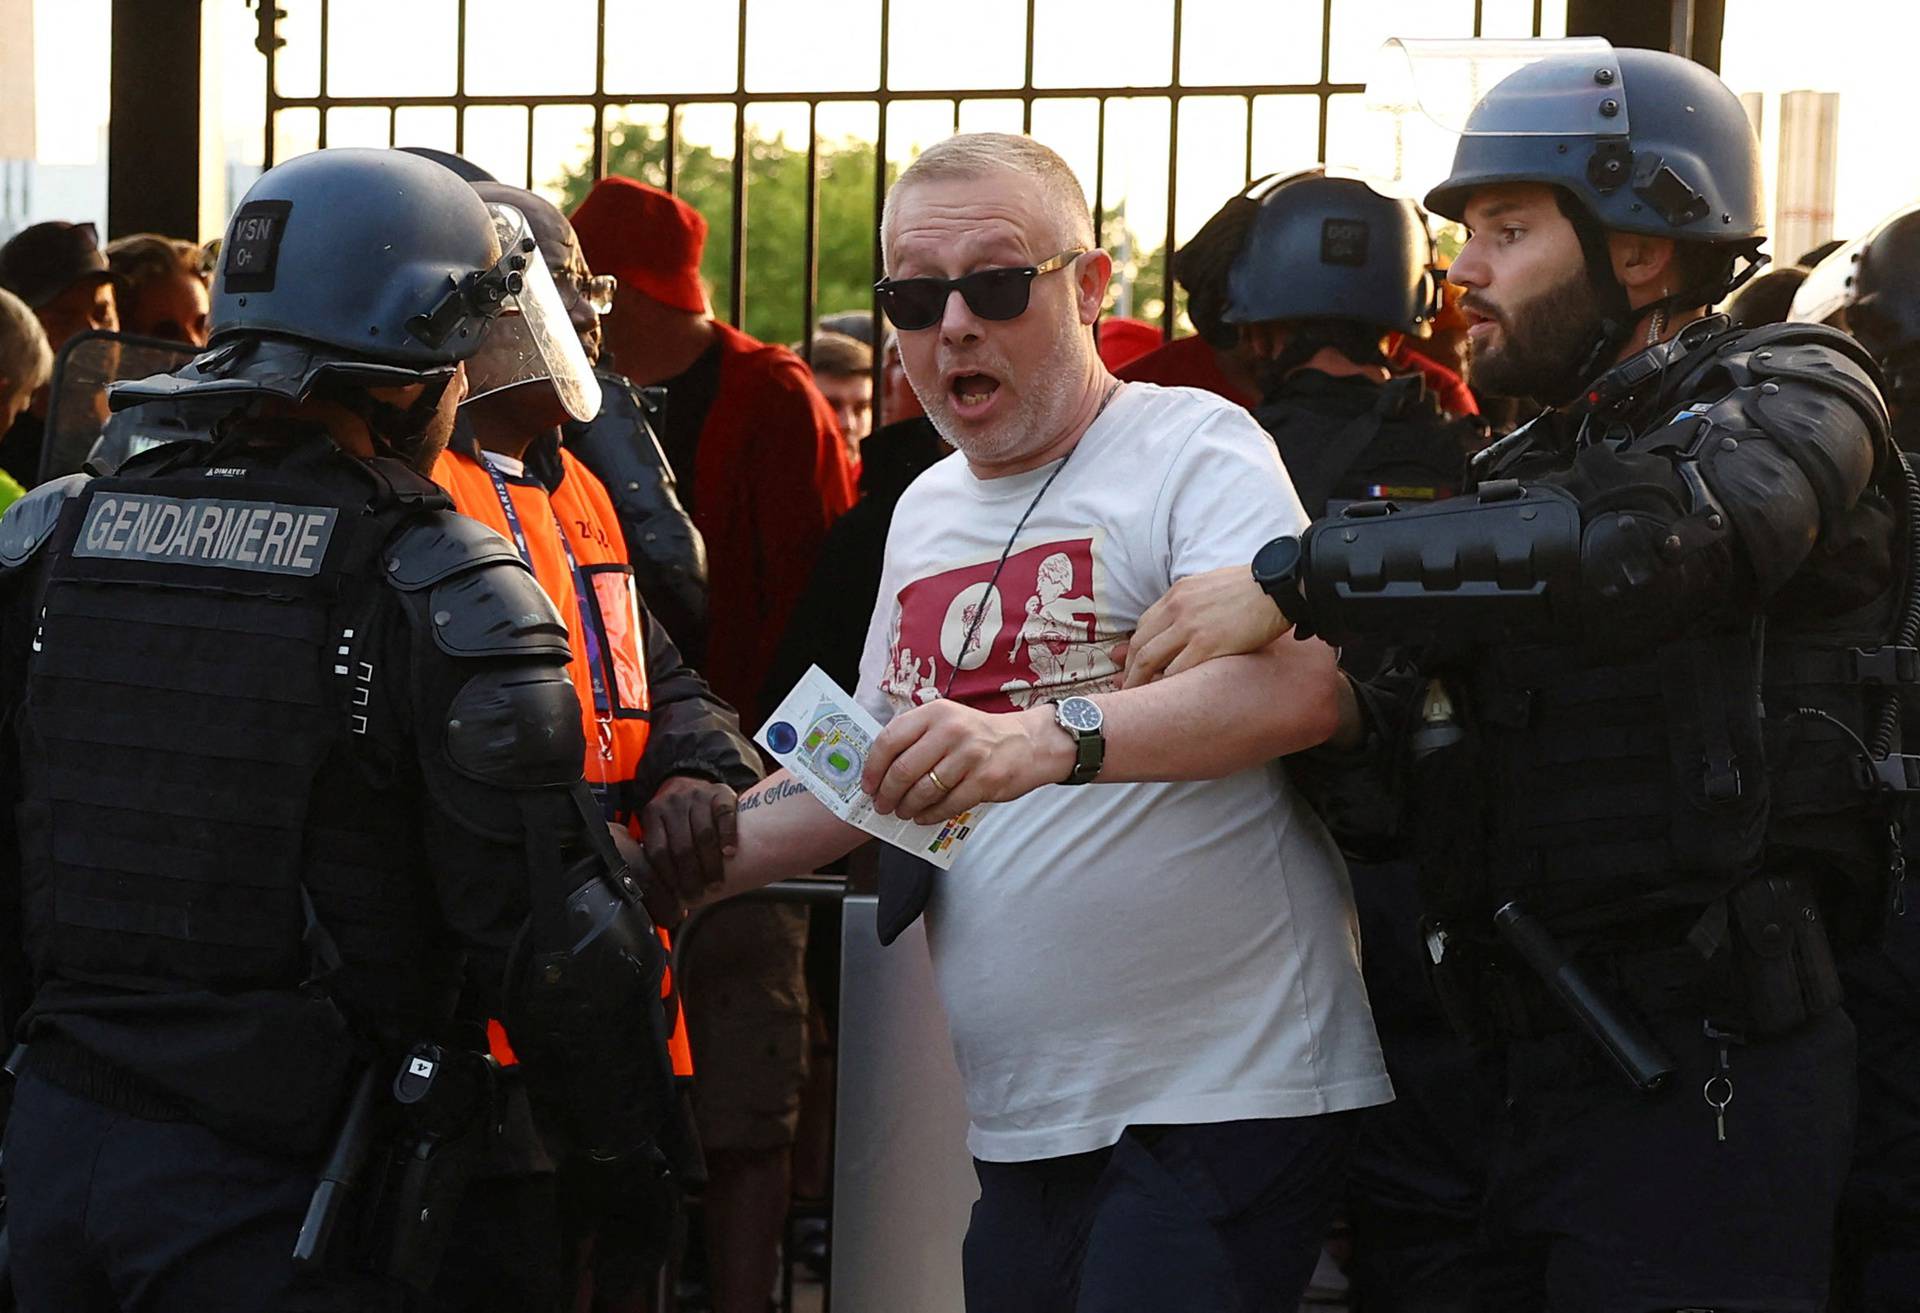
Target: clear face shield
(532, 340)
(1419, 109)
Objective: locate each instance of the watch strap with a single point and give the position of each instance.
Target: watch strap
(1089, 754)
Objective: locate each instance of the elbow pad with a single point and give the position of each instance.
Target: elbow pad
(1499, 564)
(584, 1010)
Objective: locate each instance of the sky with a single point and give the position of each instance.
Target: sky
(674, 46)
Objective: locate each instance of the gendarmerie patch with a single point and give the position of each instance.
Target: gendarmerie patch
(265, 537)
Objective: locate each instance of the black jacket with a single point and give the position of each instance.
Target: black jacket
(829, 626)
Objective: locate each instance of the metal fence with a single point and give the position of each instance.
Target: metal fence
(1435, 18)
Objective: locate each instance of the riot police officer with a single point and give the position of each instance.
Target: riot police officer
(1647, 749)
(1330, 273)
(1871, 288)
(292, 759)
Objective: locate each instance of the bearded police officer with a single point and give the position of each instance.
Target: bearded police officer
(1871, 287)
(293, 758)
(1649, 756)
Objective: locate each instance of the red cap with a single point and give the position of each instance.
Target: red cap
(649, 240)
(1124, 340)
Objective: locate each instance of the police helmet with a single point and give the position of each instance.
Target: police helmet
(1642, 140)
(1883, 310)
(376, 268)
(1871, 287)
(1334, 248)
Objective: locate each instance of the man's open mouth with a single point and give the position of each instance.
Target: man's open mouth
(972, 393)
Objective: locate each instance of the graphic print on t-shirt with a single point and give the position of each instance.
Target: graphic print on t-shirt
(1040, 635)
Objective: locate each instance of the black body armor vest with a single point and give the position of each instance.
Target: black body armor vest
(191, 715)
(1628, 790)
(224, 889)
(1350, 439)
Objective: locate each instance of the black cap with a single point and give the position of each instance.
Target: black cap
(40, 262)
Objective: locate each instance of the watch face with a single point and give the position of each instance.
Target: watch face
(1277, 558)
(1080, 714)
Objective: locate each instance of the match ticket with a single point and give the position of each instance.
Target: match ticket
(822, 736)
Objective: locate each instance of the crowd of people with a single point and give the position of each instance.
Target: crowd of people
(1496, 833)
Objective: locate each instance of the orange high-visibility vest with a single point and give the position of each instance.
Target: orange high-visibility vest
(609, 667)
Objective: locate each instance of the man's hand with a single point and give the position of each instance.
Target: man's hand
(690, 828)
(943, 758)
(1220, 613)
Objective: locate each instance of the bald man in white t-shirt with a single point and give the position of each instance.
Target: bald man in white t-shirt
(1152, 981)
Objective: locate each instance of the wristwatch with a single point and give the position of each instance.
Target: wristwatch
(1081, 718)
(1276, 568)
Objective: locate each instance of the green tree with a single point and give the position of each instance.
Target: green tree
(776, 226)
(776, 256)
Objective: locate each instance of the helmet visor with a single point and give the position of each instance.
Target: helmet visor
(1422, 97)
(533, 339)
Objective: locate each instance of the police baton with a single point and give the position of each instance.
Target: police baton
(1641, 1058)
(338, 1178)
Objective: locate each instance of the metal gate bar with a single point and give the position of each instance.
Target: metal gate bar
(882, 97)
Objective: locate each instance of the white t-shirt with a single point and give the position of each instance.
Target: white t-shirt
(1119, 953)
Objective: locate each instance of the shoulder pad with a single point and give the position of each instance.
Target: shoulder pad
(440, 544)
(29, 521)
(497, 610)
(517, 728)
(1803, 334)
(1817, 365)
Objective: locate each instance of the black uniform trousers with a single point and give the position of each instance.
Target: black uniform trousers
(111, 1213)
(1420, 1163)
(1604, 1200)
(1877, 1258)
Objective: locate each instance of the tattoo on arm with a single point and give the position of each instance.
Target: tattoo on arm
(784, 789)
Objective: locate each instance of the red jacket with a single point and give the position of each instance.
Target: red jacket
(770, 474)
(1189, 362)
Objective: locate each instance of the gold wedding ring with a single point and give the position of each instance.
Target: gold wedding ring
(937, 784)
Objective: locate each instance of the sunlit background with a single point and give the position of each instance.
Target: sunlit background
(53, 156)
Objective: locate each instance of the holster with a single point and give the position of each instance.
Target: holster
(401, 1160)
(1782, 963)
(441, 1142)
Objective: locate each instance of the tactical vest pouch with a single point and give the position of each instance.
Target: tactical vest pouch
(1781, 958)
(1716, 755)
(1446, 816)
(1460, 973)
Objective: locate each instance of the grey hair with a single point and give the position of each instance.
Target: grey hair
(26, 361)
(975, 154)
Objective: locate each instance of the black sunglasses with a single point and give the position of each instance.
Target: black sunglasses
(916, 303)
